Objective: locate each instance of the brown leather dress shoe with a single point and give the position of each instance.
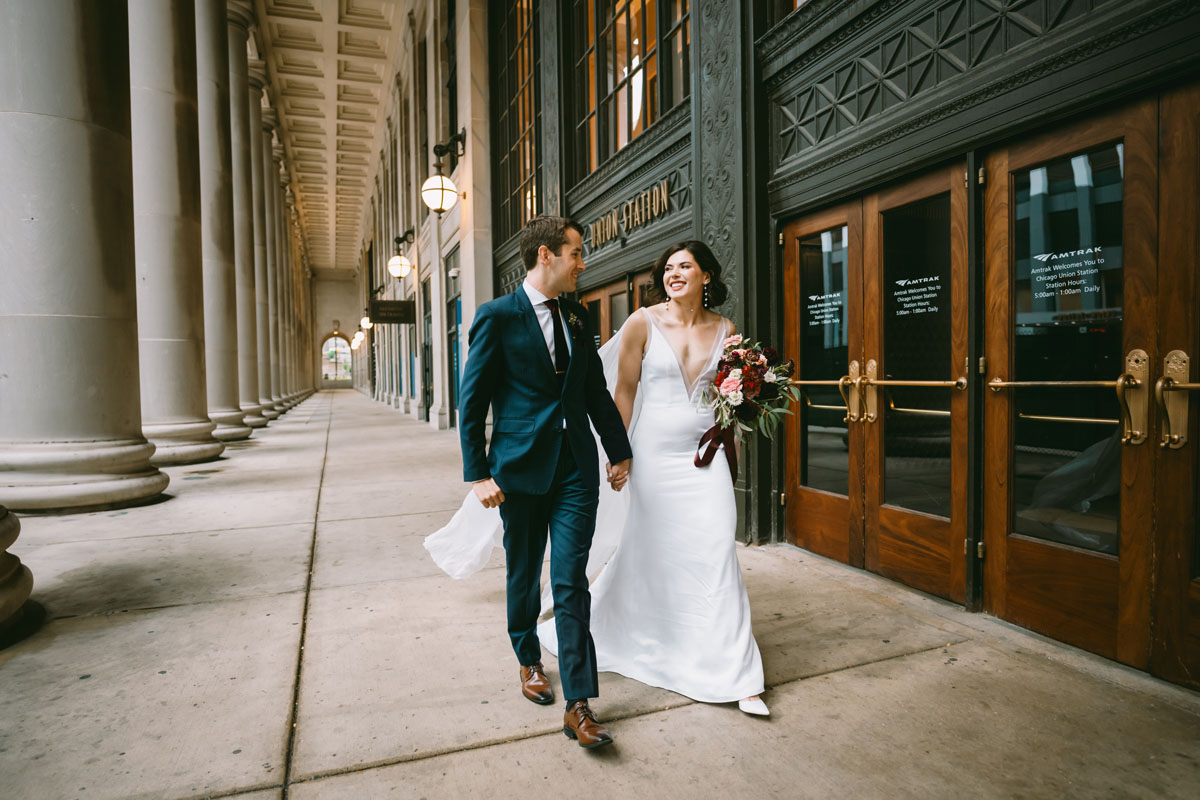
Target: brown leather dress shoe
(535, 686)
(580, 724)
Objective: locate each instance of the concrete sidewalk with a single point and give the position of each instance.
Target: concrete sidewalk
(276, 629)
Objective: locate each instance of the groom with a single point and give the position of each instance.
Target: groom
(531, 360)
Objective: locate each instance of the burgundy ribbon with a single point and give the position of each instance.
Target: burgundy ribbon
(713, 438)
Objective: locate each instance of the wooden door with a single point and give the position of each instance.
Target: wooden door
(1071, 312)
(914, 380)
(1175, 653)
(823, 323)
(608, 307)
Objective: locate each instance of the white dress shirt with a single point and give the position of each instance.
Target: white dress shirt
(544, 318)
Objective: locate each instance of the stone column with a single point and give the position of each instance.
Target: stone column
(216, 222)
(270, 191)
(286, 303)
(239, 19)
(256, 80)
(19, 616)
(70, 409)
(166, 226)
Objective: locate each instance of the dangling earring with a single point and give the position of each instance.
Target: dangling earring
(706, 295)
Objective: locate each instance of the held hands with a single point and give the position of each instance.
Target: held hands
(618, 474)
(488, 493)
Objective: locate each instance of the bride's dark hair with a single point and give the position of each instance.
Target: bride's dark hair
(718, 292)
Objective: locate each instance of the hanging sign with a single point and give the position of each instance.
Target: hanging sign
(394, 312)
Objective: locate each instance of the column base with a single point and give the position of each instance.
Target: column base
(19, 616)
(230, 425)
(60, 476)
(232, 433)
(269, 409)
(178, 443)
(254, 417)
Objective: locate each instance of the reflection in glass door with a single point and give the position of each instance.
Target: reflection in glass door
(1068, 286)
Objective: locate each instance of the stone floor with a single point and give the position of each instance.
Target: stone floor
(275, 629)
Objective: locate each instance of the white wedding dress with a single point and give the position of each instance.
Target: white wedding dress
(669, 607)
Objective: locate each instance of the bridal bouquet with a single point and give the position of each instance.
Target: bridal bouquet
(752, 389)
(751, 392)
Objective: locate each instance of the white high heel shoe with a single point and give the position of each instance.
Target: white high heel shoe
(755, 706)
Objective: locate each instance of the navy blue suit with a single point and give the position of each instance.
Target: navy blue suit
(548, 473)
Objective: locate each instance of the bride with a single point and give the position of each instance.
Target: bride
(669, 607)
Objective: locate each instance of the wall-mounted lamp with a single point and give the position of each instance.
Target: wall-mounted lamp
(398, 265)
(456, 145)
(365, 322)
(439, 192)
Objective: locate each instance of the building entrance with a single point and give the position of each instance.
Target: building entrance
(1087, 421)
(876, 315)
(611, 304)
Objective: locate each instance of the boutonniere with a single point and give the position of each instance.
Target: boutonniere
(575, 322)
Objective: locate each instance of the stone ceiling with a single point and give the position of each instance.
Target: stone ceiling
(330, 65)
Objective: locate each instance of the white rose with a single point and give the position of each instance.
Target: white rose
(735, 398)
(769, 377)
(736, 374)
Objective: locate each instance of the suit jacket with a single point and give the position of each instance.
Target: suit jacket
(509, 368)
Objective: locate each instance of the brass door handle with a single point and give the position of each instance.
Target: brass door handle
(1132, 388)
(1169, 391)
(842, 384)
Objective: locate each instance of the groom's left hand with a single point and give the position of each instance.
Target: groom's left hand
(618, 474)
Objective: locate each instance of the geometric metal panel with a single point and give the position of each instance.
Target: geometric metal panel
(946, 41)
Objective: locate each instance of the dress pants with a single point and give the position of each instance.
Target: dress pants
(567, 513)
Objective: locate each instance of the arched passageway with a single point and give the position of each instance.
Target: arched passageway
(336, 369)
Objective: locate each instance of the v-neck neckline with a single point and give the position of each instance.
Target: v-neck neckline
(688, 386)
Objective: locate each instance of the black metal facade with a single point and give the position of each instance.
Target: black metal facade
(839, 97)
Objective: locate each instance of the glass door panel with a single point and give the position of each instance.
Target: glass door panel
(1068, 286)
(823, 356)
(917, 347)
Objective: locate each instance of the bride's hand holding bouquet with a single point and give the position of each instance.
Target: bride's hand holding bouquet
(751, 392)
(752, 388)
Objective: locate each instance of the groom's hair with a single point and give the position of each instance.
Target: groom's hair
(545, 230)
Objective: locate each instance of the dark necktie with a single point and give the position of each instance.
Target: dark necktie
(561, 356)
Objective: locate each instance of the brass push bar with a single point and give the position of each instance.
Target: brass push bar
(1131, 386)
(1080, 420)
(960, 383)
(995, 384)
(866, 385)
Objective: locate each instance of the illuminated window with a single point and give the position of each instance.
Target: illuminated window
(632, 63)
(516, 116)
